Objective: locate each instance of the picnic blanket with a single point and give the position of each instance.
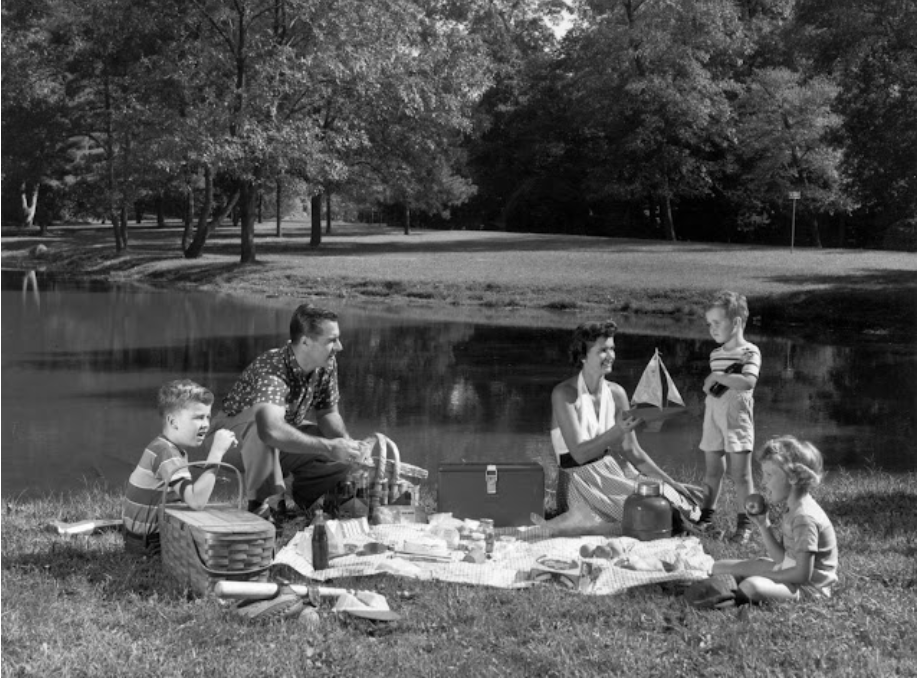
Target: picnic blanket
(510, 566)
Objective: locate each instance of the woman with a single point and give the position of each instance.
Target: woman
(595, 442)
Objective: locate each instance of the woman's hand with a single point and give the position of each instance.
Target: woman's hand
(626, 423)
(693, 492)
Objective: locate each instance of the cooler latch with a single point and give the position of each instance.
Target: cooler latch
(490, 477)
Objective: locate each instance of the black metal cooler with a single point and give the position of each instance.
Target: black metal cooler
(506, 493)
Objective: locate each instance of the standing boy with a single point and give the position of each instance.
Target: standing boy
(184, 408)
(729, 429)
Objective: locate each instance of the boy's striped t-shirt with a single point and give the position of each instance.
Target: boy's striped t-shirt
(748, 355)
(162, 463)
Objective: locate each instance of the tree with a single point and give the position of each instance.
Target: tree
(870, 48)
(784, 131)
(34, 109)
(650, 84)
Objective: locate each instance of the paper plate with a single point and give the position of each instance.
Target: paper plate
(377, 611)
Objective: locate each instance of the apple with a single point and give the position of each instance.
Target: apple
(602, 551)
(755, 504)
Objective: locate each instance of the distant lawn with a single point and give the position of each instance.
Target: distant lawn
(860, 290)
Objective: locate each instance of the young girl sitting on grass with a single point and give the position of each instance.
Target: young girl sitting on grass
(804, 561)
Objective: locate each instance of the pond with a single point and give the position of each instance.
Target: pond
(82, 363)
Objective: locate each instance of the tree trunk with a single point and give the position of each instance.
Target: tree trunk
(316, 238)
(188, 218)
(249, 205)
(194, 250)
(124, 224)
(651, 214)
(211, 226)
(115, 218)
(407, 219)
(279, 216)
(110, 167)
(29, 204)
(260, 203)
(669, 224)
(327, 212)
(816, 236)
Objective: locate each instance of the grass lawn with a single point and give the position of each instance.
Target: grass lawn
(807, 291)
(80, 607)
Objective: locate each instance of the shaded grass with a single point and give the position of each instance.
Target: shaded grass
(81, 607)
(847, 290)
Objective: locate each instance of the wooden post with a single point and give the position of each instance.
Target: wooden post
(794, 196)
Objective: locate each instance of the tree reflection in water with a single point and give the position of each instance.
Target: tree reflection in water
(81, 369)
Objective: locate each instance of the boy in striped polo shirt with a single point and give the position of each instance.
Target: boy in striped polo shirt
(184, 408)
(729, 426)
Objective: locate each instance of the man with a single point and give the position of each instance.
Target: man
(267, 408)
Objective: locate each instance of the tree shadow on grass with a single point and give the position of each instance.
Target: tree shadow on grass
(874, 299)
(113, 573)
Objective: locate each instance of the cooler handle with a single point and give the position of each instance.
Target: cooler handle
(490, 478)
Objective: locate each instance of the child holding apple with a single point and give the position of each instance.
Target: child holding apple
(803, 561)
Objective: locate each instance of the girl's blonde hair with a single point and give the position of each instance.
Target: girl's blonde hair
(800, 460)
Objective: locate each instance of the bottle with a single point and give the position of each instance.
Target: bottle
(647, 514)
(487, 527)
(319, 542)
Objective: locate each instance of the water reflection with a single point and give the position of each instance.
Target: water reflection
(81, 368)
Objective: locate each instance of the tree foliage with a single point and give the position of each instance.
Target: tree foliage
(661, 118)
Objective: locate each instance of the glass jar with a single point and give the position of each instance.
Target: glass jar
(647, 514)
(487, 527)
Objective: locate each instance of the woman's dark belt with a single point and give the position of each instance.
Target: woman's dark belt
(567, 461)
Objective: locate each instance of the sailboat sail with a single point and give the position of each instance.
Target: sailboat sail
(651, 392)
(649, 388)
(673, 395)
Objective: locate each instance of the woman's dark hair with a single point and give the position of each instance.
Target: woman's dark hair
(308, 319)
(586, 335)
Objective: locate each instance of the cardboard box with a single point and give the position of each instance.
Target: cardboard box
(506, 493)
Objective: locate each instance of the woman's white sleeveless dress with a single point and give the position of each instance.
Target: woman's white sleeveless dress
(603, 485)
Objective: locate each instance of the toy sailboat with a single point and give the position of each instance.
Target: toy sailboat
(653, 393)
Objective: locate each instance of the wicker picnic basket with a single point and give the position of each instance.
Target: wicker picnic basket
(218, 542)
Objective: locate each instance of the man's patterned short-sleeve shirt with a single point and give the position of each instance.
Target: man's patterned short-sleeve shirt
(275, 377)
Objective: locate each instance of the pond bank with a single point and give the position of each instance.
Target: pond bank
(808, 292)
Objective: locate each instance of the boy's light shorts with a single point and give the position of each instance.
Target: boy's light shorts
(729, 422)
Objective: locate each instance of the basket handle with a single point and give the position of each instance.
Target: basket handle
(165, 489)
